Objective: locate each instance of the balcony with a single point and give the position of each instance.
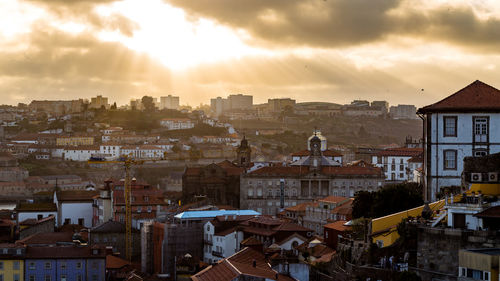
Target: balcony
(208, 242)
(217, 254)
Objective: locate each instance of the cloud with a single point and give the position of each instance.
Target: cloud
(340, 23)
(58, 64)
(84, 11)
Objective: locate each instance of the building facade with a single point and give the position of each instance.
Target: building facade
(466, 123)
(269, 190)
(399, 163)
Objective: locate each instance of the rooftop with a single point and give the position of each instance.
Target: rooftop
(213, 214)
(476, 97)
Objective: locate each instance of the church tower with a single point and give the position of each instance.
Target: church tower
(315, 153)
(243, 154)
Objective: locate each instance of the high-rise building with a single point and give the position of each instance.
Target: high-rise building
(169, 102)
(240, 101)
(98, 102)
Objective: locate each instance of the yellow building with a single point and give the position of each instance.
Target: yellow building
(12, 262)
(478, 264)
(75, 141)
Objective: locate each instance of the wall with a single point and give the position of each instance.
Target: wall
(463, 143)
(9, 271)
(438, 250)
(74, 211)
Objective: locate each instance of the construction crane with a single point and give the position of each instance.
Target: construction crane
(127, 162)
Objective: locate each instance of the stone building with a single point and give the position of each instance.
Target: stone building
(311, 178)
(219, 182)
(112, 234)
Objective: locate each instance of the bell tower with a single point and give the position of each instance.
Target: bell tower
(315, 152)
(243, 154)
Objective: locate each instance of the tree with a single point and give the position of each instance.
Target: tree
(389, 199)
(362, 204)
(148, 103)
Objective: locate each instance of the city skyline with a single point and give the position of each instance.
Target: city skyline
(306, 50)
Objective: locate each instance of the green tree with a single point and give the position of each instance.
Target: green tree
(362, 204)
(148, 103)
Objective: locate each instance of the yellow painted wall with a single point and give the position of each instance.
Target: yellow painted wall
(387, 225)
(485, 188)
(75, 141)
(8, 270)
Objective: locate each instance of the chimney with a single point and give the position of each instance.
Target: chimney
(254, 263)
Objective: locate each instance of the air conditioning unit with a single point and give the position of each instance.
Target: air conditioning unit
(493, 177)
(476, 177)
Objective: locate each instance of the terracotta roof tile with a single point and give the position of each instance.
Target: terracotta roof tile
(328, 170)
(113, 262)
(76, 195)
(333, 199)
(338, 225)
(476, 97)
(401, 151)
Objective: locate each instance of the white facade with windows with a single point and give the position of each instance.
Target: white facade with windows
(466, 123)
(217, 247)
(453, 136)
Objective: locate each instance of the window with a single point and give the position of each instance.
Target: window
(1, 277)
(94, 277)
(1, 265)
(450, 159)
(481, 129)
(146, 199)
(401, 175)
(250, 192)
(79, 277)
(48, 278)
(139, 209)
(259, 192)
(450, 126)
(15, 265)
(32, 266)
(32, 278)
(63, 265)
(81, 221)
(63, 277)
(150, 209)
(67, 221)
(48, 265)
(78, 265)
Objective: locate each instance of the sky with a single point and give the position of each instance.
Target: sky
(402, 51)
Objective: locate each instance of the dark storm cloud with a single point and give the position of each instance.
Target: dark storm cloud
(84, 11)
(337, 23)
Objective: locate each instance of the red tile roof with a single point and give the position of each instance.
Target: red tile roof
(301, 207)
(333, 199)
(401, 151)
(493, 212)
(328, 170)
(113, 262)
(76, 195)
(338, 225)
(64, 252)
(476, 97)
(344, 209)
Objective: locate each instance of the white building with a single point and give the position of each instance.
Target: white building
(75, 207)
(79, 153)
(111, 151)
(399, 163)
(177, 123)
(220, 242)
(169, 102)
(143, 152)
(466, 123)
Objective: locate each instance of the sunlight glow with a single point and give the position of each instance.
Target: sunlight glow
(167, 35)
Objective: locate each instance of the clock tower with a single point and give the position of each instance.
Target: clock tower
(315, 153)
